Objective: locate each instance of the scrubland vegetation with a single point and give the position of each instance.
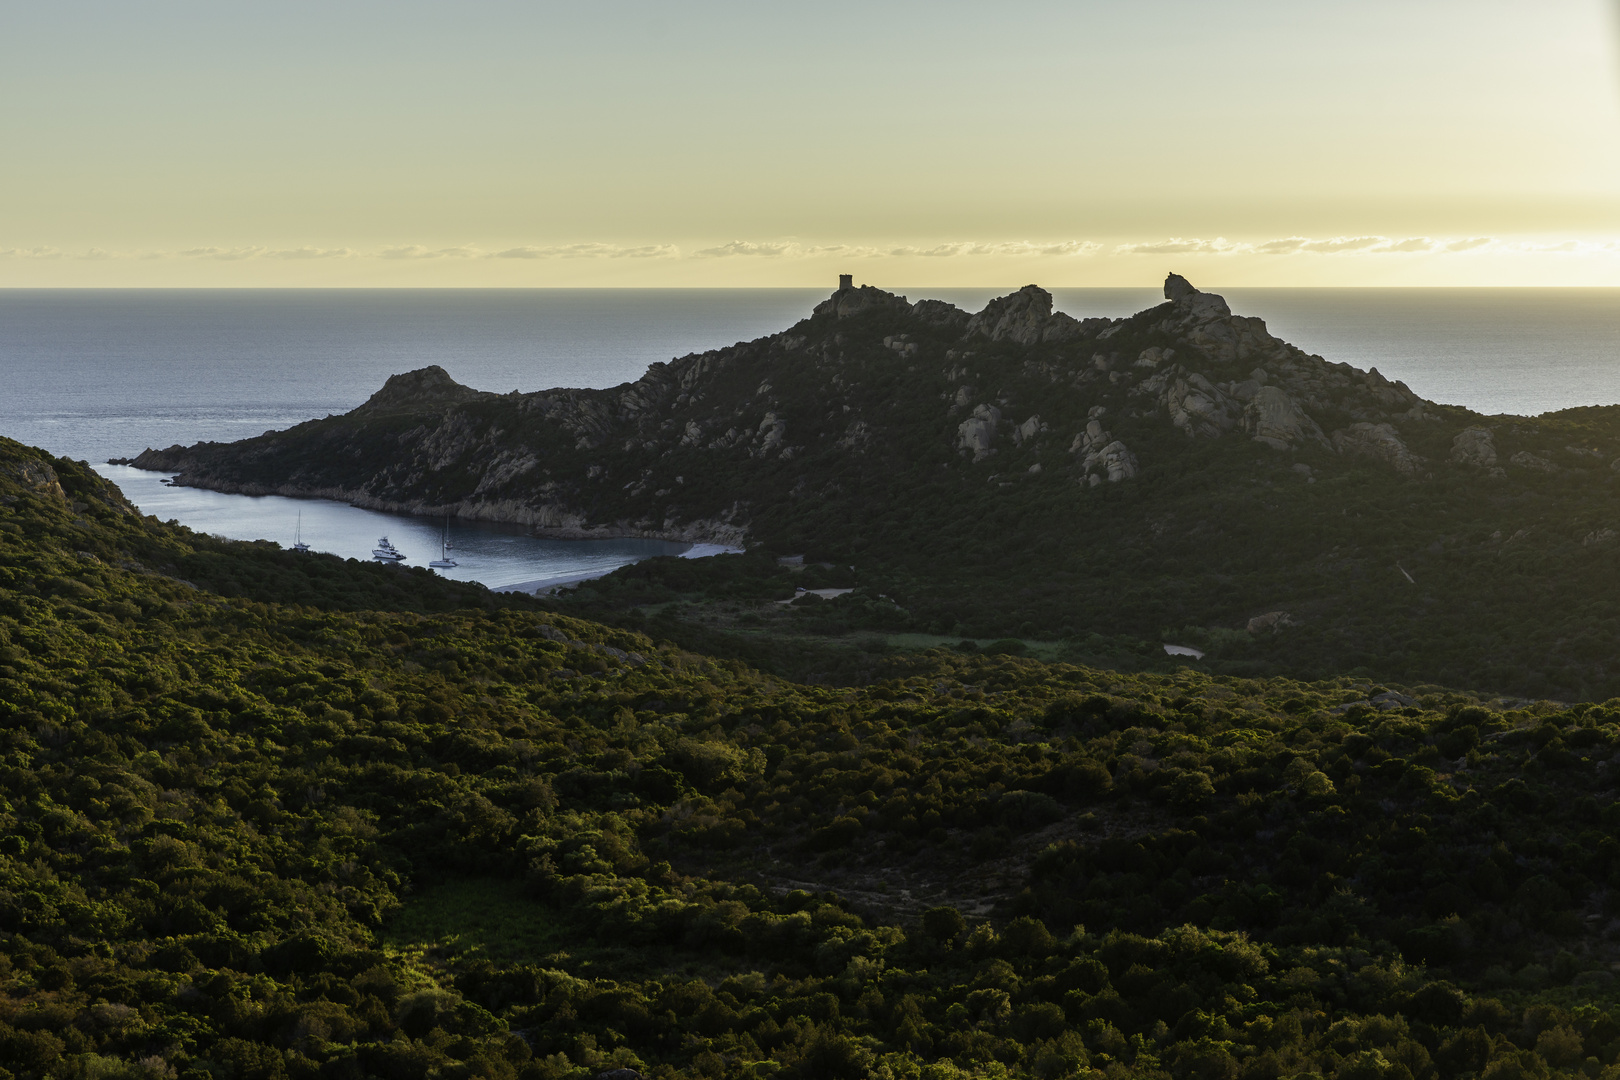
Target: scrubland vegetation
(268, 816)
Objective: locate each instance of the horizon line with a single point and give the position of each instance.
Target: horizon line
(750, 288)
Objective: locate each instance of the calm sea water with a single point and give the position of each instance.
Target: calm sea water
(500, 556)
(96, 374)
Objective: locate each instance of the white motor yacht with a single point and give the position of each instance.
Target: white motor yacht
(386, 551)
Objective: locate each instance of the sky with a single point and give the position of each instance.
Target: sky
(490, 144)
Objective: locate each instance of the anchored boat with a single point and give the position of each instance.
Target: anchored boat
(386, 551)
(444, 561)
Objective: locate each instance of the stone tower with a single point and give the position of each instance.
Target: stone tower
(846, 281)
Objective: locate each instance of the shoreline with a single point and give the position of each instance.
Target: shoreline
(500, 569)
(550, 521)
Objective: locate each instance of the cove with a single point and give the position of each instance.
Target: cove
(503, 557)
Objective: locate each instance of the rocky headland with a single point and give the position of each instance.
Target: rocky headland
(869, 378)
(1179, 475)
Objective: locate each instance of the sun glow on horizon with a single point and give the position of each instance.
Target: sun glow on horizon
(737, 145)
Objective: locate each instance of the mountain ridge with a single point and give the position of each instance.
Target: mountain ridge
(1179, 475)
(475, 466)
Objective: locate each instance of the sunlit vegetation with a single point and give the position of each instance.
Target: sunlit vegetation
(243, 837)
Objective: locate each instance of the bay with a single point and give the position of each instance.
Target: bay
(499, 556)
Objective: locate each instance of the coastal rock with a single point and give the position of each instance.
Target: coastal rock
(1474, 446)
(977, 434)
(1026, 317)
(1274, 418)
(1179, 291)
(169, 459)
(503, 469)
(1178, 288)
(40, 477)
(1027, 430)
(1204, 321)
(1380, 442)
(1061, 327)
(430, 386)
(1019, 316)
(1395, 396)
(939, 313)
(846, 303)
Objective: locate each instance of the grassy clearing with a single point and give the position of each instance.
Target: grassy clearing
(490, 918)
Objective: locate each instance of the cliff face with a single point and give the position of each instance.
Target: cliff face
(868, 389)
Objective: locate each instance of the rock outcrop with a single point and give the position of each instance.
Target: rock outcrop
(1103, 457)
(1274, 418)
(1381, 443)
(1524, 459)
(1198, 407)
(977, 434)
(431, 386)
(1200, 305)
(1115, 462)
(939, 313)
(847, 303)
(38, 477)
(1271, 620)
(1474, 446)
(1025, 317)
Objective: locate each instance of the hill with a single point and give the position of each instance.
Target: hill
(1176, 475)
(252, 837)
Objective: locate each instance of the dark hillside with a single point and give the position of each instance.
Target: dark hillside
(247, 839)
(1017, 473)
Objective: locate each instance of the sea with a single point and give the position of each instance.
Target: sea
(99, 374)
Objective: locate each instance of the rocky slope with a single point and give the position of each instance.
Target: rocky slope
(1017, 472)
(869, 381)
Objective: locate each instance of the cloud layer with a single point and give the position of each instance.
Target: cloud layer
(1299, 246)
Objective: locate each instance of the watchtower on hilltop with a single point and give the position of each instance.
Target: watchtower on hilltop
(846, 281)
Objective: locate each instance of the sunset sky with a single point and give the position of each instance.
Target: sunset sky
(1421, 142)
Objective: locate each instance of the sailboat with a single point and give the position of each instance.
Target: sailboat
(298, 536)
(444, 561)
